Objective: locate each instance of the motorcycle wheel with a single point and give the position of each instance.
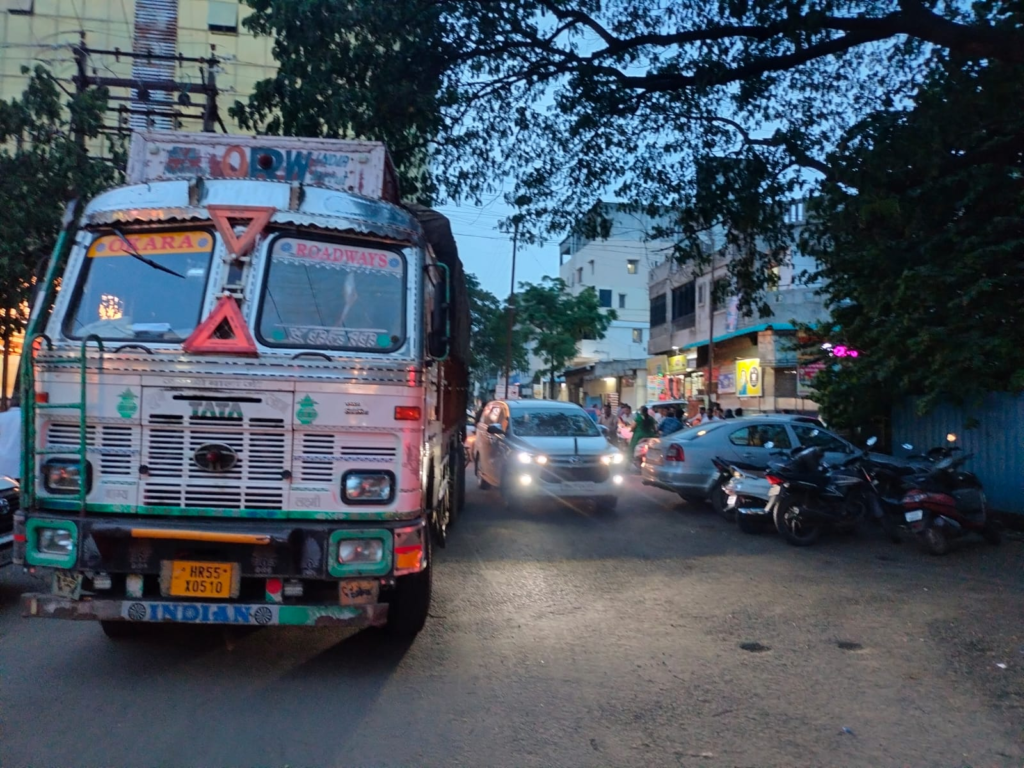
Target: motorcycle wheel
(991, 533)
(891, 528)
(795, 529)
(935, 541)
(719, 503)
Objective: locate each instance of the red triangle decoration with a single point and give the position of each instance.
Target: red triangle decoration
(258, 217)
(224, 332)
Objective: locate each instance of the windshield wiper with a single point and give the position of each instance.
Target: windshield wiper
(131, 251)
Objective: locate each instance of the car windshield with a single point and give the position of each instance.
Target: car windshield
(121, 297)
(330, 294)
(553, 423)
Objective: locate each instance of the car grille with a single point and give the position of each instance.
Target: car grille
(562, 471)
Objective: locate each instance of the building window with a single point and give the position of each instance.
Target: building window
(658, 306)
(683, 301)
(632, 266)
(605, 297)
(223, 17)
(579, 275)
(591, 262)
(24, 7)
(700, 295)
(622, 301)
(638, 335)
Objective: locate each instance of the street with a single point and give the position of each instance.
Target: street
(658, 635)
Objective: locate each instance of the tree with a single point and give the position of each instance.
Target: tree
(921, 246)
(489, 329)
(344, 73)
(576, 99)
(42, 168)
(556, 321)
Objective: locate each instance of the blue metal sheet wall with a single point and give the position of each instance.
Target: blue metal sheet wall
(997, 442)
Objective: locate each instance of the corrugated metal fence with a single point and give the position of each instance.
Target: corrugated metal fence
(997, 442)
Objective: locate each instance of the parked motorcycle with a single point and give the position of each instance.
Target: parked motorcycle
(947, 503)
(741, 494)
(9, 496)
(807, 495)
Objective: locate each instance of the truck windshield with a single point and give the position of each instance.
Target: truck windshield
(326, 293)
(119, 296)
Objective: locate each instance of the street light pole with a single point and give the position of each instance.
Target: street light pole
(511, 307)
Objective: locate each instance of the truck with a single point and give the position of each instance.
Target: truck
(244, 393)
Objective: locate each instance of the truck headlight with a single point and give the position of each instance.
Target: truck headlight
(371, 487)
(54, 541)
(65, 476)
(360, 551)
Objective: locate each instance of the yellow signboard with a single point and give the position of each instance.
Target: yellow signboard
(676, 365)
(748, 378)
(195, 241)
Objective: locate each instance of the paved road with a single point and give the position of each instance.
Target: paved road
(565, 638)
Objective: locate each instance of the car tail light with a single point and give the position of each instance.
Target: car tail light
(773, 479)
(675, 453)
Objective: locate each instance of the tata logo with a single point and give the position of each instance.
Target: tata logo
(215, 457)
(209, 409)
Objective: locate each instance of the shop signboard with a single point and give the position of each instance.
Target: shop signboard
(748, 377)
(805, 374)
(726, 382)
(676, 365)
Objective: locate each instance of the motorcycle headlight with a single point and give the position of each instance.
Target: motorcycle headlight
(370, 487)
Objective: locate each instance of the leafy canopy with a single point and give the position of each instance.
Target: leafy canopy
(556, 321)
(489, 328)
(628, 99)
(42, 168)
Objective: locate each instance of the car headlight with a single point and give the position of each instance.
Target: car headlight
(360, 551)
(54, 541)
(65, 476)
(529, 458)
(612, 458)
(368, 487)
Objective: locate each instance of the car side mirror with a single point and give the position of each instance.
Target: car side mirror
(603, 428)
(495, 429)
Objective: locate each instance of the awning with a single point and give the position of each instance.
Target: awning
(743, 332)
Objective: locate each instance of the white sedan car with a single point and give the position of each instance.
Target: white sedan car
(543, 448)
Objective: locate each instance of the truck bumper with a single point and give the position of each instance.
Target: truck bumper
(42, 606)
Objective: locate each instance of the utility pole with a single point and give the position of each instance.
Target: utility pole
(511, 306)
(711, 325)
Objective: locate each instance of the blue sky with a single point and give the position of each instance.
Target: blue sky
(487, 253)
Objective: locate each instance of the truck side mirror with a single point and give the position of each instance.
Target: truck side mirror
(439, 337)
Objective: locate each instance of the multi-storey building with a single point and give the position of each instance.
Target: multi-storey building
(753, 360)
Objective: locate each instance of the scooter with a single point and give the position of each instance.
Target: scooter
(741, 495)
(947, 503)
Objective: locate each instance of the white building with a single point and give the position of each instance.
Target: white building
(617, 268)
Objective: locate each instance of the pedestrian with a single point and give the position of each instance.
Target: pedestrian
(658, 415)
(625, 425)
(701, 417)
(729, 414)
(10, 440)
(643, 427)
(671, 423)
(739, 413)
(610, 422)
(719, 413)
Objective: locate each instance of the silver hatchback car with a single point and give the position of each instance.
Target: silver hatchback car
(682, 462)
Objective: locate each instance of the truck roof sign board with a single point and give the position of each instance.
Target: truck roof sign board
(363, 167)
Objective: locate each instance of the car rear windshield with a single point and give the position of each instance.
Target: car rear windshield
(695, 433)
(551, 423)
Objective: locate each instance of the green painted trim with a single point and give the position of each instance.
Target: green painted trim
(34, 557)
(62, 505)
(742, 331)
(307, 615)
(359, 569)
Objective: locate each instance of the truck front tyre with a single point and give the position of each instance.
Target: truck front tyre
(410, 604)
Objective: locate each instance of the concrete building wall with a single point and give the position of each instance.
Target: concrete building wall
(43, 31)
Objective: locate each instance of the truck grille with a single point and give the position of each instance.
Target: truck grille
(174, 478)
(322, 453)
(113, 448)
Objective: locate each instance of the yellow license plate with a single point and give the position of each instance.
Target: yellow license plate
(206, 580)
